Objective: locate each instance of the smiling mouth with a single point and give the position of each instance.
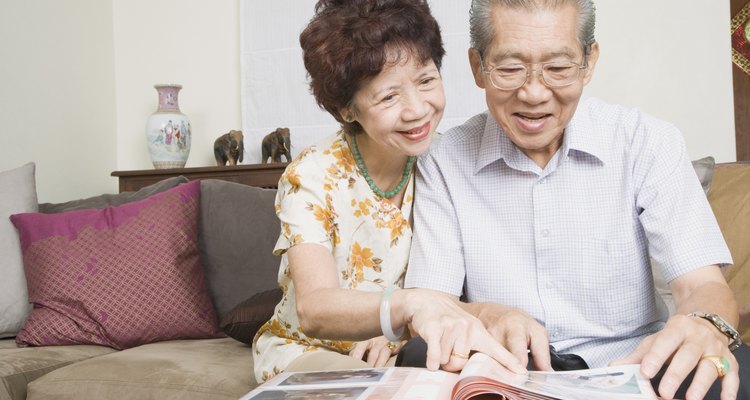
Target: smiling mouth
(531, 117)
(418, 130)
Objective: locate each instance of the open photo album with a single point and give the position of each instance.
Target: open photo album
(482, 378)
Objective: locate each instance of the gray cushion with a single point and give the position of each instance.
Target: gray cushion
(238, 231)
(704, 169)
(17, 195)
(106, 200)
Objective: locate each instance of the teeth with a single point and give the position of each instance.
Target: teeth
(531, 118)
(415, 131)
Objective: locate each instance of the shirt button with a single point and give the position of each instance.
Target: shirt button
(545, 233)
(549, 285)
(543, 181)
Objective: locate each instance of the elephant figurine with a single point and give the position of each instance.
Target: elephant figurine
(229, 147)
(276, 144)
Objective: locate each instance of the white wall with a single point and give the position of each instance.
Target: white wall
(670, 58)
(77, 77)
(57, 94)
(194, 43)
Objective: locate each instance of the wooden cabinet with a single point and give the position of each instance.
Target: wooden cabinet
(260, 175)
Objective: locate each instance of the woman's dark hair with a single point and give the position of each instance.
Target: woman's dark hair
(348, 42)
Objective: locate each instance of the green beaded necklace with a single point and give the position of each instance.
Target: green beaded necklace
(377, 190)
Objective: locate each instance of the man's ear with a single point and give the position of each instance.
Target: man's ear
(593, 57)
(476, 68)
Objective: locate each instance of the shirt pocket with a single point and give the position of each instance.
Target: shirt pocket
(619, 286)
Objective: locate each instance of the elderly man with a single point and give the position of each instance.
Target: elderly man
(545, 210)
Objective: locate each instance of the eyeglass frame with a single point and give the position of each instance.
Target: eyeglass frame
(529, 71)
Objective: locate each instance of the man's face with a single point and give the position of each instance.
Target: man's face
(534, 115)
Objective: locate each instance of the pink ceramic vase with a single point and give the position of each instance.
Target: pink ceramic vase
(168, 132)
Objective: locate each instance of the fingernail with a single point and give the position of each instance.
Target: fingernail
(668, 387)
(649, 369)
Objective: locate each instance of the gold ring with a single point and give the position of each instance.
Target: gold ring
(391, 345)
(460, 355)
(721, 364)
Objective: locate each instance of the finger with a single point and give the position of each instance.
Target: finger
(456, 363)
(658, 351)
(458, 356)
(359, 349)
(517, 344)
(636, 356)
(539, 347)
(705, 376)
(488, 345)
(380, 357)
(730, 384)
(683, 362)
(372, 354)
(447, 346)
(433, 351)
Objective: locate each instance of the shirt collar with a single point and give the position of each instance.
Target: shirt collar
(580, 136)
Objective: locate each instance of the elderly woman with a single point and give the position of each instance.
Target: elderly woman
(345, 204)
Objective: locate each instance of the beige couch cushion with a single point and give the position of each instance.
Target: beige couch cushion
(19, 366)
(180, 369)
(730, 200)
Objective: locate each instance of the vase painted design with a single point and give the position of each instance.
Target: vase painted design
(168, 132)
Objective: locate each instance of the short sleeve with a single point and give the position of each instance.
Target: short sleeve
(672, 204)
(304, 205)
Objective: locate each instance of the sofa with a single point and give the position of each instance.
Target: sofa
(237, 231)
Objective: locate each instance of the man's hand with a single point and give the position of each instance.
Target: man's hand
(682, 344)
(521, 334)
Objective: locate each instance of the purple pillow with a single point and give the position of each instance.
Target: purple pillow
(119, 276)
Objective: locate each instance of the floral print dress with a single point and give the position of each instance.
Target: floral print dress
(323, 198)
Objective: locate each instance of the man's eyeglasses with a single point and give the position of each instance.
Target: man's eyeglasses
(553, 74)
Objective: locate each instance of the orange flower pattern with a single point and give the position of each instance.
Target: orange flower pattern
(323, 199)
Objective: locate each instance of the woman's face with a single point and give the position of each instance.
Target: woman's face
(400, 108)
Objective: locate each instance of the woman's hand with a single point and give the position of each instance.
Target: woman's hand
(377, 350)
(451, 333)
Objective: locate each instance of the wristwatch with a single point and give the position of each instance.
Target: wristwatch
(723, 326)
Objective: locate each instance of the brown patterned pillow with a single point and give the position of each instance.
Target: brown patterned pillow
(244, 320)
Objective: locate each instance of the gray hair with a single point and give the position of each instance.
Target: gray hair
(482, 32)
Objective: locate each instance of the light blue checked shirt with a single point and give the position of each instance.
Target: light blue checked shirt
(569, 244)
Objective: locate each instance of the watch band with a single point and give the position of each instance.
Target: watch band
(724, 327)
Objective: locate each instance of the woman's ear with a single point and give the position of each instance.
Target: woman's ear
(347, 115)
(475, 60)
